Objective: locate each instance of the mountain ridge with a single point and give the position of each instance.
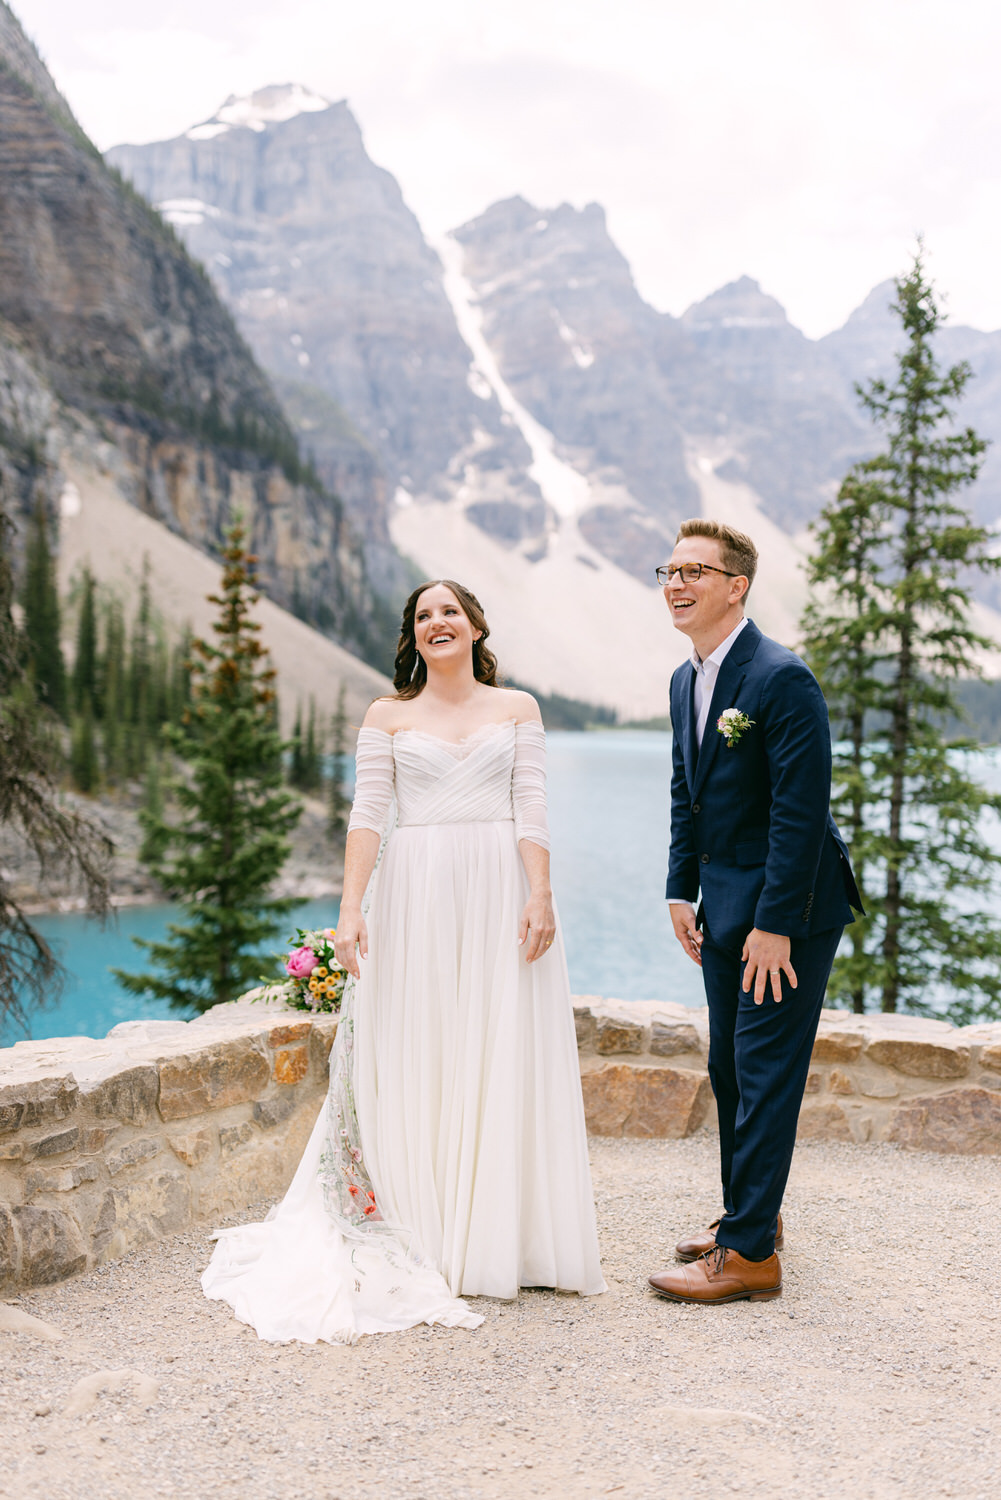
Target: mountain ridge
(534, 418)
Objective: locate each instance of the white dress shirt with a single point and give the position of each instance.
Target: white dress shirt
(706, 673)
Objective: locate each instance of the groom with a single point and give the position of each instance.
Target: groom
(751, 830)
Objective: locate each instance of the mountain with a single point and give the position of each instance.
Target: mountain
(334, 287)
(577, 346)
(118, 358)
(504, 407)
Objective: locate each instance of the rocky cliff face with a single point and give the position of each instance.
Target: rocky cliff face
(334, 287)
(769, 406)
(113, 339)
(578, 347)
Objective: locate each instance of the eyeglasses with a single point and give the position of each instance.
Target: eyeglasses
(690, 572)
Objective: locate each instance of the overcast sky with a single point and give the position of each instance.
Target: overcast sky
(802, 142)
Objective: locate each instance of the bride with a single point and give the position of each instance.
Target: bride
(450, 1158)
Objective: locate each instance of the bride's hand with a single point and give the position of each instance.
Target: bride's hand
(352, 935)
(537, 927)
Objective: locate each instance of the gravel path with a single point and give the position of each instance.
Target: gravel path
(874, 1375)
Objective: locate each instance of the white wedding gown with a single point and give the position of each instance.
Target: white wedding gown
(450, 1157)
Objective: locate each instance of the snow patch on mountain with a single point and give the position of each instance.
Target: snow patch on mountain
(272, 105)
(563, 488)
(180, 211)
(583, 357)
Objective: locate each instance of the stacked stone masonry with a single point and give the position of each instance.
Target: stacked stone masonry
(105, 1145)
(916, 1082)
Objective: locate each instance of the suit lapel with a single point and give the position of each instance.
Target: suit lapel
(689, 744)
(731, 675)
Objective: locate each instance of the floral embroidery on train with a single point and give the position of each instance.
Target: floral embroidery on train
(348, 1192)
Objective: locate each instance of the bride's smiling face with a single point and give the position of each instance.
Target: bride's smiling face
(443, 631)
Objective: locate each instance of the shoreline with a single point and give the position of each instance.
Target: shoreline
(67, 906)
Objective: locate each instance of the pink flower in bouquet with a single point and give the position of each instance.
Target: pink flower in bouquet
(301, 961)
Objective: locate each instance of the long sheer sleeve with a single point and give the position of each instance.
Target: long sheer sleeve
(528, 784)
(373, 780)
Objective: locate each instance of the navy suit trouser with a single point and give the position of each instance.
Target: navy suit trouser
(759, 1058)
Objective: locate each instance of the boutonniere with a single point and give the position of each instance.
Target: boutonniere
(731, 724)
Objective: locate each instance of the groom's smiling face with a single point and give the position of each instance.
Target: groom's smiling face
(705, 611)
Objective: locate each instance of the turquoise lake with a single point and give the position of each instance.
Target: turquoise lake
(609, 809)
(609, 816)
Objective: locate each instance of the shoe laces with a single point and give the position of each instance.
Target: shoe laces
(715, 1259)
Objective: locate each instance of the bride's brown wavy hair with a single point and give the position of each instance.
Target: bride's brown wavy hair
(410, 671)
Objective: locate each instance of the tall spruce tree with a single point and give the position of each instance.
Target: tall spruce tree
(338, 803)
(889, 632)
(312, 752)
(30, 803)
(114, 698)
(139, 694)
(85, 769)
(42, 615)
(179, 679)
(84, 678)
(229, 840)
(296, 760)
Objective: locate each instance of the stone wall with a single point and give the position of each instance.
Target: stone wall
(105, 1145)
(915, 1082)
(108, 1144)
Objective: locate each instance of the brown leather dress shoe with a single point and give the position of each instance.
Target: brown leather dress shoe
(698, 1244)
(721, 1275)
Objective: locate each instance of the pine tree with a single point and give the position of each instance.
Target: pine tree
(151, 815)
(296, 759)
(139, 712)
(114, 699)
(338, 803)
(852, 660)
(179, 685)
(229, 840)
(85, 661)
(43, 617)
(84, 764)
(888, 633)
(30, 803)
(160, 684)
(312, 753)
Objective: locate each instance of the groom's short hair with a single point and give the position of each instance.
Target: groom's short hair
(739, 553)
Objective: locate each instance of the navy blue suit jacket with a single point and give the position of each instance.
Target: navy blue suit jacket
(751, 825)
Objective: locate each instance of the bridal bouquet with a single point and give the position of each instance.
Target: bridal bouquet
(316, 979)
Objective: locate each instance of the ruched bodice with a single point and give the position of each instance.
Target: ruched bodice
(497, 774)
(438, 782)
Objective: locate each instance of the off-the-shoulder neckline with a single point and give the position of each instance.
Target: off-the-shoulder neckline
(439, 739)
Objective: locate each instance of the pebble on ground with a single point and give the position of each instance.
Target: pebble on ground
(874, 1375)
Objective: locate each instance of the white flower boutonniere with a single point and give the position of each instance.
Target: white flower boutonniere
(731, 724)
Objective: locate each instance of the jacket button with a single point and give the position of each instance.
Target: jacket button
(696, 807)
(705, 859)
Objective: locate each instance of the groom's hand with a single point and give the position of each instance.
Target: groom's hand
(766, 959)
(685, 930)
